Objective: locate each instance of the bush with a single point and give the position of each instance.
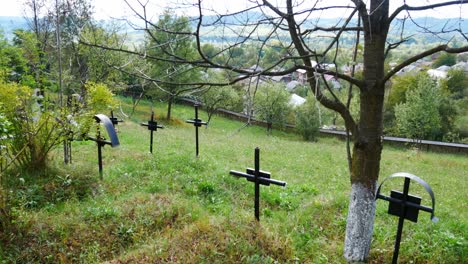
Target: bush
(307, 120)
(272, 104)
(219, 97)
(445, 59)
(35, 129)
(419, 117)
(99, 98)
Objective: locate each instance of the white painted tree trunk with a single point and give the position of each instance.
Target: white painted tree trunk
(360, 223)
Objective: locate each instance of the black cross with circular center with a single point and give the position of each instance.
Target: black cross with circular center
(152, 126)
(115, 121)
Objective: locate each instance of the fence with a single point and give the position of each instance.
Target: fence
(427, 145)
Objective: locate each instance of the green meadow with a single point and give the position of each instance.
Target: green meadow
(172, 207)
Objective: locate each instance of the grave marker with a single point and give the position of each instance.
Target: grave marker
(196, 123)
(115, 121)
(100, 140)
(152, 126)
(406, 206)
(259, 178)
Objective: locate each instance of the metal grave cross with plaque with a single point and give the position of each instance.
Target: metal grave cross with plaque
(100, 140)
(406, 206)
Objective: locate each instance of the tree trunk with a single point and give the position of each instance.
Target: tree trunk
(169, 107)
(368, 137)
(358, 232)
(210, 114)
(364, 175)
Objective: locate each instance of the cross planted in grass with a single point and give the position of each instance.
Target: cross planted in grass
(259, 178)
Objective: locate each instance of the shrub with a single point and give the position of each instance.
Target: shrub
(445, 59)
(419, 117)
(219, 97)
(35, 130)
(99, 98)
(307, 120)
(272, 104)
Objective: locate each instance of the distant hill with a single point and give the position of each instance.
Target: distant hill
(412, 28)
(435, 24)
(8, 24)
(419, 29)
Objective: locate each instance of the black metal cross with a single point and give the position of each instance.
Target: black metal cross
(406, 206)
(152, 126)
(115, 121)
(259, 178)
(100, 140)
(196, 123)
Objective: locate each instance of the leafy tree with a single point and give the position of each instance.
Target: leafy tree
(307, 120)
(272, 104)
(98, 64)
(13, 67)
(456, 84)
(215, 98)
(209, 50)
(447, 107)
(399, 87)
(30, 63)
(73, 16)
(38, 41)
(274, 53)
(397, 91)
(449, 112)
(419, 116)
(100, 98)
(461, 121)
(166, 43)
(445, 59)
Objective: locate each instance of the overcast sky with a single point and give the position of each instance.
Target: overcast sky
(118, 8)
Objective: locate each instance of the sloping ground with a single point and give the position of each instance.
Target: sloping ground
(171, 207)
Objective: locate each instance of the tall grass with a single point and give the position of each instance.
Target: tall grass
(170, 206)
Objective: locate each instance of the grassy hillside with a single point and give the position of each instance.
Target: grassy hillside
(176, 208)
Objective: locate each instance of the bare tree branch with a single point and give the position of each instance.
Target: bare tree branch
(406, 7)
(422, 55)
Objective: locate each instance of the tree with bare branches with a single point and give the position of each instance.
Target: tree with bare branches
(166, 43)
(309, 44)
